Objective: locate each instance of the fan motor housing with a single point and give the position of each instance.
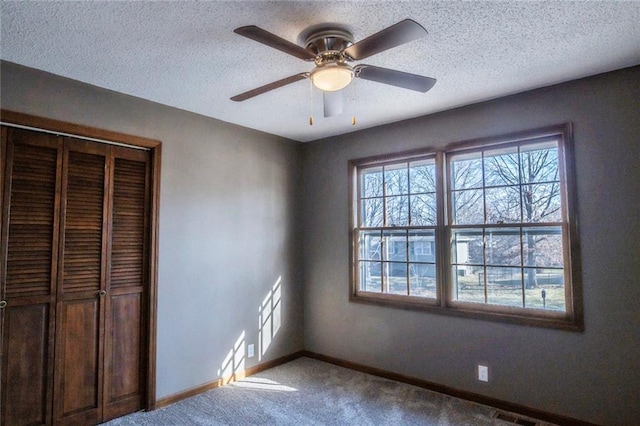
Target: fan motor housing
(328, 40)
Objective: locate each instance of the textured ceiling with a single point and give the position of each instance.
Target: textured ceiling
(185, 54)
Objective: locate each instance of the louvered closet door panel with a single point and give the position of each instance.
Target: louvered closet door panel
(33, 159)
(81, 279)
(28, 259)
(124, 378)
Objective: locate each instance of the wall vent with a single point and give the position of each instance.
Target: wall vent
(514, 419)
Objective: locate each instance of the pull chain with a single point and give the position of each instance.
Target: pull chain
(353, 100)
(310, 102)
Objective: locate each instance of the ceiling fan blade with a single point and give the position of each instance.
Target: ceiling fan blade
(405, 80)
(332, 103)
(268, 87)
(395, 35)
(272, 40)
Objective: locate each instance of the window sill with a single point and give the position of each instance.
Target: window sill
(533, 317)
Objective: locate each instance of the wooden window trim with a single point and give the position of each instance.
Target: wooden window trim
(155, 147)
(572, 319)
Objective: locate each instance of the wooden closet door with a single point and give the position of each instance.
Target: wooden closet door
(126, 330)
(74, 279)
(82, 285)
(28, 261)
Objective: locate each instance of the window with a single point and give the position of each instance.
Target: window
(397, 204)
(483, 228)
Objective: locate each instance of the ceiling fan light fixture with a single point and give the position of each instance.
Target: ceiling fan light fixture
(332, 76)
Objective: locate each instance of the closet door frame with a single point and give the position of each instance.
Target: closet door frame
(155, 148)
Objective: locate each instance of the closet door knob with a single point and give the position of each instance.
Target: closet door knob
(102, 293)
(3, 304)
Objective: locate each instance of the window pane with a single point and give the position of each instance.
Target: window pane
(397, 278)
(503, 204)
(423, 176)
(542, 246)
(372, 182)
(398, 211)
(372, 212)
(503, 246)
(466, 171)
(422, 246)
(423, 210)
(396, 178)
(395, 246)
(548, 292)
(540, 163)
(468, 286)
(467, 247)
(501, 167)
(544, 277)
(370, 245)
(541, 203)
(422, 280)
(370, 276)
(467, 207)
(504, 286)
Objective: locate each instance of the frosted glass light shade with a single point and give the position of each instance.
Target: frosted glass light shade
(332, 77)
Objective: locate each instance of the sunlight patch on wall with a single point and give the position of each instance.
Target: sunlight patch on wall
(233, 364)
(270, 317)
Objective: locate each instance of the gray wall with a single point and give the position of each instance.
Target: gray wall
(594, 375)
(229, 222)
(230, 226)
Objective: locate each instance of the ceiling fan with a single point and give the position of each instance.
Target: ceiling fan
(330, 48)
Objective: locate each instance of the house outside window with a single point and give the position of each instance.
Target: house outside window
(422, 248)
(484, 228)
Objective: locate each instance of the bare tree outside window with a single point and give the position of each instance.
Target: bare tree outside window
(514, 185)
